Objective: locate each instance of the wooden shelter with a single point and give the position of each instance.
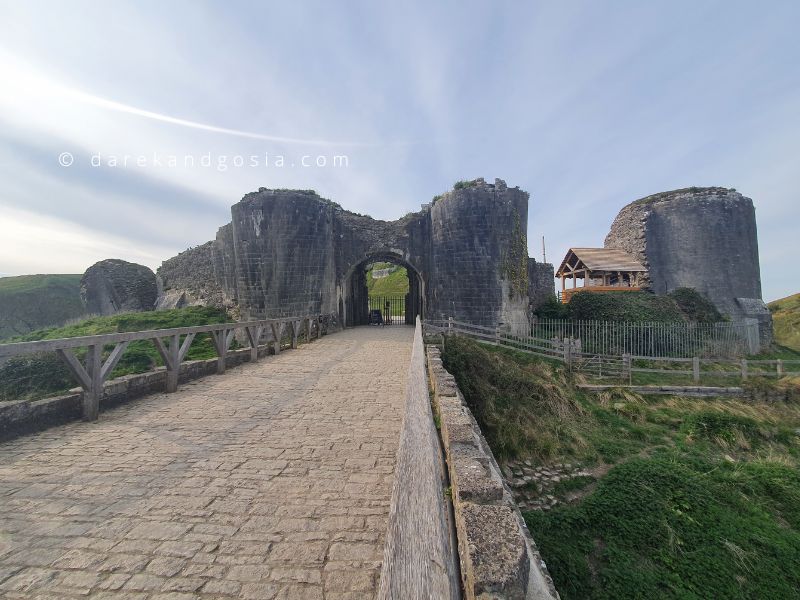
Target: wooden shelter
(601, 269)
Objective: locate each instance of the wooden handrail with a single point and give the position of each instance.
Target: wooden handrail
(91, 374)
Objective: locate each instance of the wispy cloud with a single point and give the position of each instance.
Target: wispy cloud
(587, 106)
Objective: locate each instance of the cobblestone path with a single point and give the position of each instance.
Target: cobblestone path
(271, 481)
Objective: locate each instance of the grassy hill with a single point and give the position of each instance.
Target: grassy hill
(686, 497)
(30, 302)
(394, 284)
(786, 321)
(42, 375)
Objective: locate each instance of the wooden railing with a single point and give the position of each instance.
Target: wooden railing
(620, 366)
(171, 344)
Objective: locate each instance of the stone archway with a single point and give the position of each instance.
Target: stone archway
(354, 295)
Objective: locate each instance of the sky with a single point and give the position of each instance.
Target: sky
(379, 107)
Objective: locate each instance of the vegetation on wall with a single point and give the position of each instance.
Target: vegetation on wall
(687, 498)
(515, 261)
(695, 306)
(786, 321)
(43, 374)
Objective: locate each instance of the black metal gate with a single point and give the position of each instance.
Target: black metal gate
(392, 309)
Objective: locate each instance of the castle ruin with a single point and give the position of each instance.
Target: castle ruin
(291, 252)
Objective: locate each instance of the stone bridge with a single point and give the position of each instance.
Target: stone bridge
(272, 481)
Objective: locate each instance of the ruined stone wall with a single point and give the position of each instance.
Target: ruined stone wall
(291, 252)
(701, 238)
(112, 286)
(541, 286)
(190, 279)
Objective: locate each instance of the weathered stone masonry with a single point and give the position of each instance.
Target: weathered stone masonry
(701, 238)
(292, 252)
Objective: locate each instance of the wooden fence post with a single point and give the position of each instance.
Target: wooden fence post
(744, 369)
(626, 367)
(254, 335)
(91, 397)
(276, 336)
(696, 369)
(779, 367)
(174, 363)
(295, 325)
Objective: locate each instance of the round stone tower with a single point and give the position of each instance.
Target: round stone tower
(701, 238)
(480, 255)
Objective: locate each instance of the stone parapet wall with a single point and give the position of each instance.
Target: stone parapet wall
(419, 559)
(497, 554)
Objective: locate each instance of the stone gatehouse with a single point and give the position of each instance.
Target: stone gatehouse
(291, 252)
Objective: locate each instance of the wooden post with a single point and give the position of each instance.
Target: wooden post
(744, 368)
(254, 335)
(276, 337)
(779, 367)
(308, 329)
(174, 363)
(91, 397)
(222, 340)
(696, 369)
(295, 325)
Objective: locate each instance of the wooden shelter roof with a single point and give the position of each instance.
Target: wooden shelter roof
(600, 259)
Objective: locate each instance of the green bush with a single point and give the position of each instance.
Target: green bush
(673, 527)
(695, 306)
(553, 308)
(624, 306)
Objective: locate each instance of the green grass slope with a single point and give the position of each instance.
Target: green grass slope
(786, 321)
(29, 302)
(394, 284)
(42, 375)
(687, 498)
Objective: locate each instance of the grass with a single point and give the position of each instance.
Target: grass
(688, 497)
(394, 284)
(29, 302)
(43, 374)
(786, 321)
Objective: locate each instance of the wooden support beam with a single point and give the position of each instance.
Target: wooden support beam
(277, 330)
(222, 339)
(185, 346)
(253, 335)
(113, 359)
(75, 367)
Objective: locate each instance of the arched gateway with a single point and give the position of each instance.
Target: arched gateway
(290, 252)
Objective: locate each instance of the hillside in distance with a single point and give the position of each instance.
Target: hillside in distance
(786, 321)
(30, 302)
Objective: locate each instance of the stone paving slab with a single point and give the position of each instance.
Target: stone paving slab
(271, 481)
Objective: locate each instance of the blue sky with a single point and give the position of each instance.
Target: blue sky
(586, 105)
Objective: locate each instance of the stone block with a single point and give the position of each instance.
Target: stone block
(493, 552)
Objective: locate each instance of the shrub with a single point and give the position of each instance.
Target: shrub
(624, 306)
(695, 306)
